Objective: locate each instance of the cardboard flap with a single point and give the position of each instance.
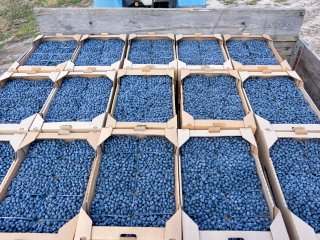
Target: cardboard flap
(226, 37)
(29, 138)
(84, 226)
(183, 74)
(190, 228)
(249, 122)
(98, 121)
(183, 136)
(173, 227)
(132, 36)
(267, 37)
(84, 37)
(16, 141)
(69, 66)
(38, 38)
(105, 134)
(304, 231)
(61, 66)
(173, 122)
(5, 76)
(123, 37)
(234, 73)
(171, 36)
(14, 67)
(111, 122)
(228, 64)
(68, 230)
(54, 76)
(269, 135)
(179, 36)
(187, 119)
(294, 75)
(218, 36)
(77, 37)
(111, 75)
(244, 75)
(171, 135)
(25, 124)
(37, 123)
(62, 75)
(247, 134)
(278, 228)
(93, 139)
(285, 65)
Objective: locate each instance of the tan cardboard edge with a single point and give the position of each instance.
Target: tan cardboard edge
(111, 122)
(38, 38)
(5, 76)
(304, 231)
(84, 226)
(37, 123)
(234, 73)
(173, 228)
(93, 139)
(266, 128)
(98, 121)
(278, 228)
(285, 65)
(267, 37)
(190, 229)
(247, 134)
(228, 64)
(105, 134)
(249, 121)
(183, 74)
(132, 36)
(179, 36)
(69, 66)
(77, 37)
(187, 120)
(16, 141)
(26, 123)
(171, 135)
(226, 37)
(54, 76)
(67, 231)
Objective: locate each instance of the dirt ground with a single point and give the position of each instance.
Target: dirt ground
(310, 30)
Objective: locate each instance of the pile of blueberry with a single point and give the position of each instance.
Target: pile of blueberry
(151, 51)
(96, 52)
(21, 98)
(212, 97)
(297, 164)
(221, 190)
(49, 187)
(278, 100)
(200, 52)
(52, 53)
(136, 183)
(251, 52)
(80, 99)
(6, 158)
(144, 99)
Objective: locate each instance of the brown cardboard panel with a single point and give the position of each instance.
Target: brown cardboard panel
(18, 66)
(283, 64)
(39, 124)
(187, 121)
(87, 69)
(151, 36)
(277, 229)
(171, 123)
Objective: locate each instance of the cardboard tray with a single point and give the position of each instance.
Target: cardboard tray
(71, 67)
(151, 36)
(39, 123)
(172, 229)
(300, 85)
(266, 137)
(18, 66)
(67, 231)
(190, 228)
(187, 121)
(25, 124)
(172, 123)
(283, 64)
(198, 36)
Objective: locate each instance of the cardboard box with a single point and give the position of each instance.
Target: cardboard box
(267, 136)
(151, 36)
(25, 124)
(283, 64)
(39, 123)
(298, 82)
(71, 67)
(187, 121)
(198, 36)
(172, 123)
(68, 230)
(191, 229)
(172, 230)
(18, 66)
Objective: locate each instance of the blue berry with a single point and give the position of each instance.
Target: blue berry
(200, 52)
(221, 190)
(52, 53)
(297, 164)
(96, 52)
(251, 52)
(144, 99)
(278, 100)
(21, 98)
(214, 97)
(6, 158)
(135, 186)
(151, 51)
(49, 188)
(80, 99)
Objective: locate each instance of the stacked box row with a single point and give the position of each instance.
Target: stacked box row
(96, 53)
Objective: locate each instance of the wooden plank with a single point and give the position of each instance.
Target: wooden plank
(281, 24)
(284, 48)
(309, 70)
